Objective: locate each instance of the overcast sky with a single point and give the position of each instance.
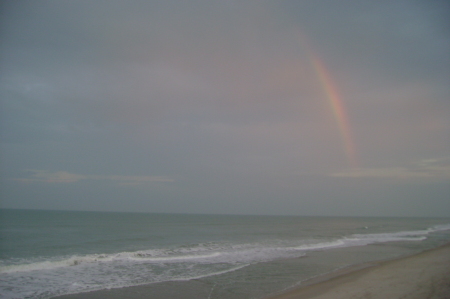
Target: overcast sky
(317, 107)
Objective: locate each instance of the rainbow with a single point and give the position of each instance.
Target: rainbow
(338, 108)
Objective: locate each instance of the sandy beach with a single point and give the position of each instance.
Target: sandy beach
(425, 275)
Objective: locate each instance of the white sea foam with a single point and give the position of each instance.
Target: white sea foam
(321, 245)
(185, 258)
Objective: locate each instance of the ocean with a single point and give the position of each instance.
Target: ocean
(50, 253)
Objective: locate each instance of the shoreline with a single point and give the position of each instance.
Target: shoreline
(421, 275)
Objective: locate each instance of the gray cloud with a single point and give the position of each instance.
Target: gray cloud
(45, 176)
(222, 98)
(426, 169)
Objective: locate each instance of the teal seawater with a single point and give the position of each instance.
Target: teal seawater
(50, 253)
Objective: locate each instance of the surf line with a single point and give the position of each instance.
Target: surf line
(338, 107)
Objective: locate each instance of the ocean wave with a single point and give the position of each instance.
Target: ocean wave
(139, 257)
(321, 245)
(56, 263)
(440, 227)
(416, 235)
(247, 253)
(371, 238)
(209, 253)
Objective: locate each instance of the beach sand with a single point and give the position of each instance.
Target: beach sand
(422, 276)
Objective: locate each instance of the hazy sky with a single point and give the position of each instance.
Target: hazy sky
(317, 107)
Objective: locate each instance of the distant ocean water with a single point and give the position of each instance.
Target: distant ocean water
(49, 253)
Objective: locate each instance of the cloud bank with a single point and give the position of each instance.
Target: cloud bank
(66, 177)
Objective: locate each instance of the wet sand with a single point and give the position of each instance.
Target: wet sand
(424, 275)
